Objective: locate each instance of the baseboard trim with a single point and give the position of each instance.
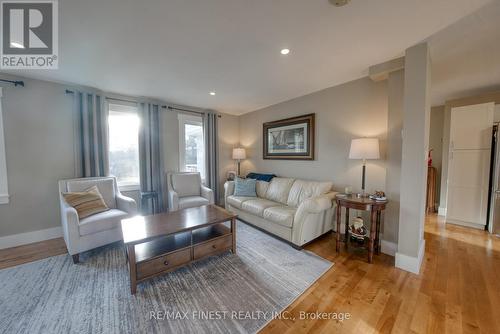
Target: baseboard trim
(441, 211)
(388, 247)
(460, 223)
(410, 263)
(20, 239)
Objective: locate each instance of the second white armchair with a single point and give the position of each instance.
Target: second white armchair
(185, 190)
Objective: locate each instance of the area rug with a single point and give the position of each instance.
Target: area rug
(223, 294)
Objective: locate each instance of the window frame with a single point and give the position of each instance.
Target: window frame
(190, 120)
(124, 107)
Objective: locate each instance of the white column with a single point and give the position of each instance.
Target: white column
(4, 190)
(395, 89)
(416, 117)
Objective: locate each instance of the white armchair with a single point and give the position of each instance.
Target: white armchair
(99, 229)
(185, 190)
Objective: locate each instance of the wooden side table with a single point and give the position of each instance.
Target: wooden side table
(365, 204)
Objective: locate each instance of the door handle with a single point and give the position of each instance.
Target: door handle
(497, 191)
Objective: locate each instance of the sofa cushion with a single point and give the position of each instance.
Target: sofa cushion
(237, 201)
(257, 206)
(86, 203)
(282, 215)
(302, 190)
(192, 202)
(106, 187)
(278, 189)
(261, 188)
(245, 187)
(186, 184)
(101, 221)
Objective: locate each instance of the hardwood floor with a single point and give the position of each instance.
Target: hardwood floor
(39, 250)
(458, 290)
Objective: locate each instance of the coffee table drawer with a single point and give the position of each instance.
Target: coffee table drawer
(163, 263)
(212, 246)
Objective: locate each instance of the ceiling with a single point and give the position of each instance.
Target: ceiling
(466, 56)
(180, 50)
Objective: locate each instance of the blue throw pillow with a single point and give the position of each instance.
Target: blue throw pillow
(261, 177)
(245, 187)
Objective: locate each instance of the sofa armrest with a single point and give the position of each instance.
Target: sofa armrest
(313, 217)
(208, 194)
(69, 222)
(228, 190)
(126, 204)
(173, 201)
(318, 203)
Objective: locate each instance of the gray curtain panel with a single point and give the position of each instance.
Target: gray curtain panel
(150, 151)
(92, 132)
(212, 152)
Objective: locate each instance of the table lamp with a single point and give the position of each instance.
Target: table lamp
(364, 148)
(239, 154)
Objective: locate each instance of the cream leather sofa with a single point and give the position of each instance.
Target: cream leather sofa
(298, 211)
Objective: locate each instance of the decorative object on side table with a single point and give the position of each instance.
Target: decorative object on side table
(366, 204)
(291, 138)
(238, 155)
(358, 230)
(378, 196)
(364, 148)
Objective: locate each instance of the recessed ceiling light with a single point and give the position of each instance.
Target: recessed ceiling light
(212, 93)
(285, 51)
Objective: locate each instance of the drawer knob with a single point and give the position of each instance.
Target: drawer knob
(214, 246)
(166, 263)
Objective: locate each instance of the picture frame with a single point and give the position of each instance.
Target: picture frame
(290, 138)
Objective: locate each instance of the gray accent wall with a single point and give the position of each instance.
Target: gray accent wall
(39, 150)
(355, 109)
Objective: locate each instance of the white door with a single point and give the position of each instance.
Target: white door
(469, 164)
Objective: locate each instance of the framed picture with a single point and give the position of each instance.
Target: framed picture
(289, 139)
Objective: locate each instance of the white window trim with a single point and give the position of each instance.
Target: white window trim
(4, 188)
(186, 119)
(125, 108)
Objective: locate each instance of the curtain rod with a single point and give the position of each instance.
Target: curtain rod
(187, 110)
(110, 98)
(14, 82)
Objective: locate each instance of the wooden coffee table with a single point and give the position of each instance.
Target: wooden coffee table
(164, 242)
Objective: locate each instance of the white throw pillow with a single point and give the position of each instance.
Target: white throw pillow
(188, 184)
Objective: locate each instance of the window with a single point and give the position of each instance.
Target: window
(191, 144)
(123, 122)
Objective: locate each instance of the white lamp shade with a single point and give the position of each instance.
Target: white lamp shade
(239, 154)
(364, 148)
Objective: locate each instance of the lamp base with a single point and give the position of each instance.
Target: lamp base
(362, 195)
